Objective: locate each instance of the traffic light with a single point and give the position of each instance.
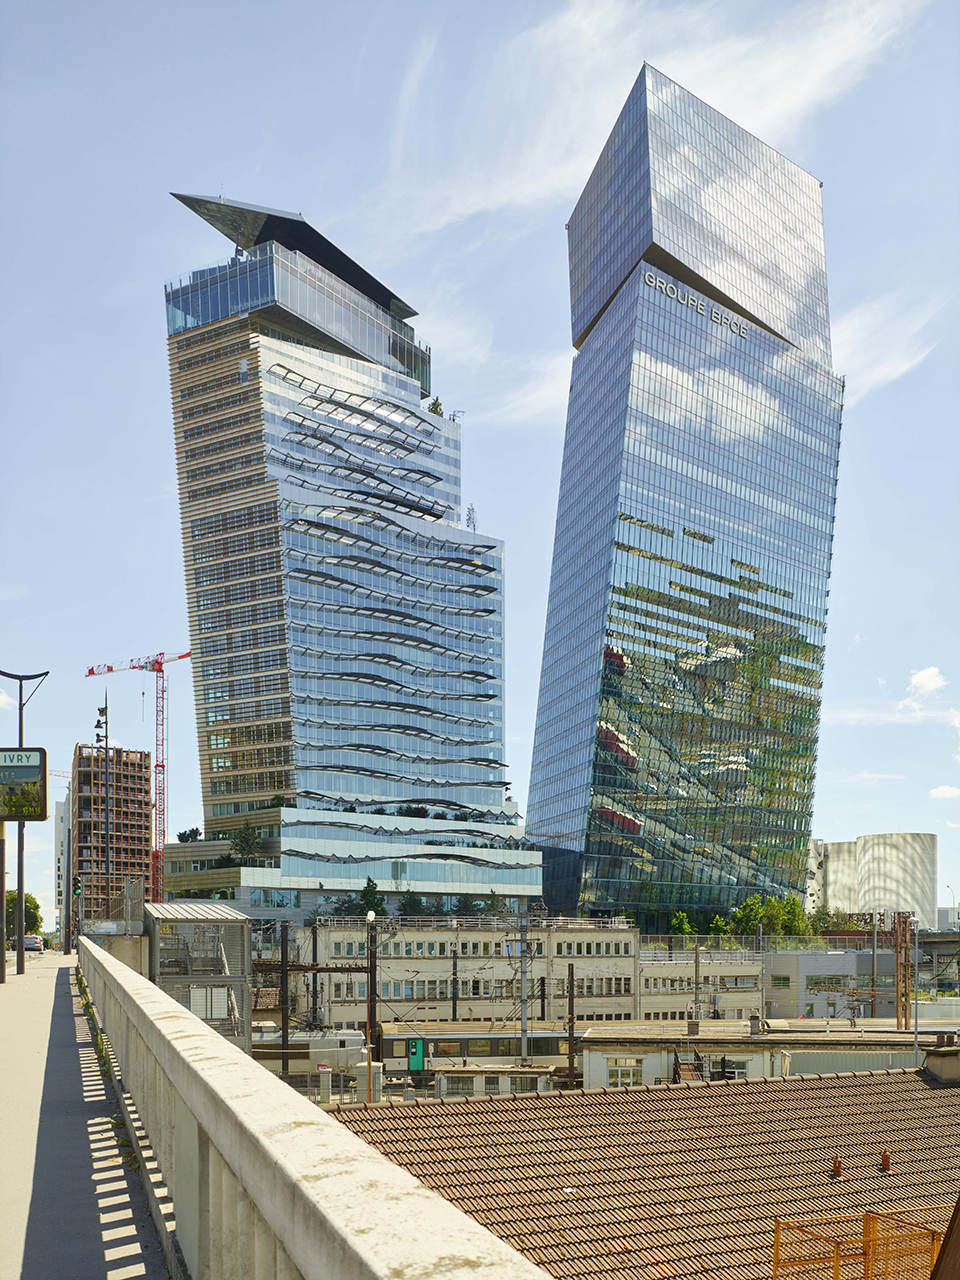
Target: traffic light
(77, 885)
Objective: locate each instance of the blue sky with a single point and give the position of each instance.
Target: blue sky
(444, 145)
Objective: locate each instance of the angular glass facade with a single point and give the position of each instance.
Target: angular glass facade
(346, 633)
(676, 737)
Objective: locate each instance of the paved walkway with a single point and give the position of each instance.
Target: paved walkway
(72, 1205)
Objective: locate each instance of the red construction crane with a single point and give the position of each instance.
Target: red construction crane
(155, 663)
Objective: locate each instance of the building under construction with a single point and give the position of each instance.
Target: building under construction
(110, 831)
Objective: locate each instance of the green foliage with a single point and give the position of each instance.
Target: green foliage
(368, 899)
(435, 406)
(680, 924)
(189, 836)
(245, 843)
(32, 919)
(825, 921)
(747, 917)
(411, 904)
(796, 922)
(719, 927)
(226, 860)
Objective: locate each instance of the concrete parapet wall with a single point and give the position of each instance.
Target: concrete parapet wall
(264, 1185)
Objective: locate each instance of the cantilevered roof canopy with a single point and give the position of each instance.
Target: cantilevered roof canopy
(247, 225)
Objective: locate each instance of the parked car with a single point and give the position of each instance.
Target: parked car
(32, 942)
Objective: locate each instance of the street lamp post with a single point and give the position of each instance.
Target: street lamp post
(371, 996)
(21, 962)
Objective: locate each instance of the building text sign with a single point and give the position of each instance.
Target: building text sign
(23, 784)
(687, 298)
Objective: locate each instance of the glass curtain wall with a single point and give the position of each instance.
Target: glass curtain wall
(676, 735)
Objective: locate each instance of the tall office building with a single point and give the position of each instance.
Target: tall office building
(676, 738)
(347, 633)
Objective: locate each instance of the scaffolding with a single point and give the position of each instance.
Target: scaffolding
(861, 1246)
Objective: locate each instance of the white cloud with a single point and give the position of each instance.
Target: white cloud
(882, 339)
(10, 592)
(945, 793)
(552, 93)
(6, 702)
(927, 681)
(952, 824)
(535, 391)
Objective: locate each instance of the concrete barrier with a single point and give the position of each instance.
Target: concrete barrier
(264, 1185)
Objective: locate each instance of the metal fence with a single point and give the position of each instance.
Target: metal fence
(865, 1246)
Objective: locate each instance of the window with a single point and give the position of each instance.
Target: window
(626, 986)
(507, 1048)
(349, 949)
(781, 980)
(569, 948)
(808, 1011)
(646, 984)
(589, 948)
(475, 987)
(443, 948)
(338, 991)
(624, 1071)
(480, 1048)
(491, 1084)
(419, 948)
(398, 1049)
(361, 991)
(420, 990)
(579, 948)
(431, 948)
(408, 948)
(486, 948)
(448, 1048)
(396, 948)
(475, 948)
(540, 1045)
(442, 989)
(408, 991)
(626, 948)
(559, 948)
(498, 949)
(384, 990)
(338, 948)
(616, 948)
(385, 949)
(618, 986)
(539, 948)
(396, 991)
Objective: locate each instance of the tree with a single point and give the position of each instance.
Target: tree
(719, 927)
(435, 407)
(245, 842)
(796, 923)
(226, 860)
(371, 899)
(188, 837)
(32, 919)
(772, 918)
(680, 925)
(411, 904)
(747, 916)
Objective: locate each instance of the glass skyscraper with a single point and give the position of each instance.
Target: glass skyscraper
(676, 738)
(346, 632)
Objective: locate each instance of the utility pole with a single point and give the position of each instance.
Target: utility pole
(696, 982)
(371, 997)
(571, 1056)
(873, 969)
(313, 979)
(543, 998)
(284, 1003)
(454, 987)
(524, 1040)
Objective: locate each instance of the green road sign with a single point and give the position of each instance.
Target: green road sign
(23, 784)
(415, 1055)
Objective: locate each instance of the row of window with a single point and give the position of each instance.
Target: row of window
(480, 988)
(729, 981)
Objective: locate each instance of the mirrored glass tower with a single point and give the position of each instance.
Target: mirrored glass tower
(346, 631)
(676, 737)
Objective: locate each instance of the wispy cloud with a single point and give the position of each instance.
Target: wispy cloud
(945, 793)
(552, 92)
(884, 715)
(864, 776)
(10, 592)
(535, 392)
(6, 702)
(879, 341)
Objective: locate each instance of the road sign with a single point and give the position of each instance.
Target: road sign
(23, 784)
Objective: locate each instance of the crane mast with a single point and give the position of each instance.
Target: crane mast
(156, 663)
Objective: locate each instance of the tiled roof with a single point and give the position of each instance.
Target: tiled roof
(265, 997)
(676, 1181)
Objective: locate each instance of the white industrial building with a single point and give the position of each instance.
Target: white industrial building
(892, 871)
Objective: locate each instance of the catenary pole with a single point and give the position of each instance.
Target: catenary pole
(21, 703)
(570, 1052)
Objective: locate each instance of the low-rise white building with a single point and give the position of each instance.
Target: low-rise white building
(470, 970)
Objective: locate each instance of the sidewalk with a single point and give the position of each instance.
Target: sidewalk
(71, 1201)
